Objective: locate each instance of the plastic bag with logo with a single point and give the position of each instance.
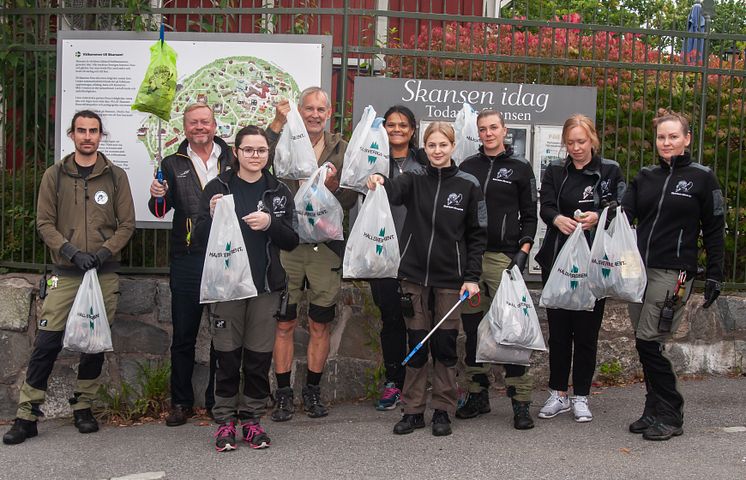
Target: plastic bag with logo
(158, 88)
(518, 318)
(318, 212)
(227, 273)
(467, 134)
(372, 249)
(367, 153)
(616, 268)
(489, 351)
(294, 157)
(87, 329)
(568, 286)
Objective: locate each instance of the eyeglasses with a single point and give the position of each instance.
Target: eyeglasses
(250, 152)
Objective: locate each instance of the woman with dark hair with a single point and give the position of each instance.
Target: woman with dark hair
(673, 202)
(574, 191)
(243, 331)
(401, 127)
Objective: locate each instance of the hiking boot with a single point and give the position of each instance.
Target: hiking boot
(284, 407)
(409, 422)
(476, 404)
(390, 398)
(312, 402)
(254, 435)
(555, 405)
(20, 431)
(85, 421)
(641, 424)
(580, 409)
(660, 431)
(178, 415)
(441, 423)
(225, 437)
(521, 417)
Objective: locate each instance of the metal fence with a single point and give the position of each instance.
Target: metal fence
(636, 70)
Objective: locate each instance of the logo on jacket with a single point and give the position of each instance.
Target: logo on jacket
(183, 174)
(101, 197)
(454, 199)
(605, 184)
(682, 189)
(503, 175)
(588, 192)
(278, 205)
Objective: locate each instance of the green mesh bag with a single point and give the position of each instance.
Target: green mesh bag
(158, 88)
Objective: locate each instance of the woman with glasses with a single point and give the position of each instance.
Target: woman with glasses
(243, 331)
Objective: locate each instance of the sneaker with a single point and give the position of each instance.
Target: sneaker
(409, 422)
(641, 424)
(85, 421)
(441, 423)
(225, 437)
(476, 404)
(178, 415)
(660, 431)
(521, 417)
(284, 407)
(254, 435)
(20, 431)
(390, 398)
(312, 402)
(580, 409)
(555, 405)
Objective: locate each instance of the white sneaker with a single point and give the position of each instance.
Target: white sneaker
(580, 409)
(554, 405)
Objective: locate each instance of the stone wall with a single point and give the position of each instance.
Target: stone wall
(709, 341)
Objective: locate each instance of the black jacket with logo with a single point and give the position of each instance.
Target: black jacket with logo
(509, 188)
(183, 194)
(672, 204)
(565, 189)
(278, 202)
(444, 233)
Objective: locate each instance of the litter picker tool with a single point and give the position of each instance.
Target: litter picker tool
(464, 296)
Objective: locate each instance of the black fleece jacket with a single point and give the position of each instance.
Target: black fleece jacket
(509, 188)
(278, 202)
(565, 189)
(444, 233)
(183, 194)
(672, 204)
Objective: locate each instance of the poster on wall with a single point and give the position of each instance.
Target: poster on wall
(240, 76)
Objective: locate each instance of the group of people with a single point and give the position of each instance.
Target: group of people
(459, 228)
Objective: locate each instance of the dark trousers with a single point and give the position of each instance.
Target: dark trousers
(573, 342)
(186, 314)
(663, 399)
(386, 296)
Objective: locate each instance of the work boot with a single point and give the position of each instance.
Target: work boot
(85, 421)
(20, 431)
(476, 404)
(409, 422)
(284, 407)
(441, 423)
(521, 417)
(178, 415)
(660, 431)
(312, 402)
(642, 423)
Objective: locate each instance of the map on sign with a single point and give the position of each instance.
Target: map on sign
(241, 90)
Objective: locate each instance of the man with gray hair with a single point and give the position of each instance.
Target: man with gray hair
(199, 159)
(315, 268)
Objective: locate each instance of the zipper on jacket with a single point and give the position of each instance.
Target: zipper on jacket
(432, 229)
(657, 214)
(458, 259)
(556, 238)
(268, 244)
(85, 210)
(678, 245)
(489, 174)
(406, 246)
(502, 229)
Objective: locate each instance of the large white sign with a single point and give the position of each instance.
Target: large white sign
(241, 76)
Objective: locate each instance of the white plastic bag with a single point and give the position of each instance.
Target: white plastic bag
(227, 273)
(518, 318)
(87, 329)
(372, 249)
(568, 286)
(616, 268)
(489, 351)
(467, 134)
(318, 212)
(294, 156)
(367, 153)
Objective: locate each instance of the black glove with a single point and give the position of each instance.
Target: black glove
(102, 256)
(712, 291)
(520, 259)
(84, 261)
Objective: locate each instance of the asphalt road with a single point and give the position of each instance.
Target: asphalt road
(355, 441)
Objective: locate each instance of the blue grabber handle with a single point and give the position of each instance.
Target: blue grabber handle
(463, 297)
(159, 177)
